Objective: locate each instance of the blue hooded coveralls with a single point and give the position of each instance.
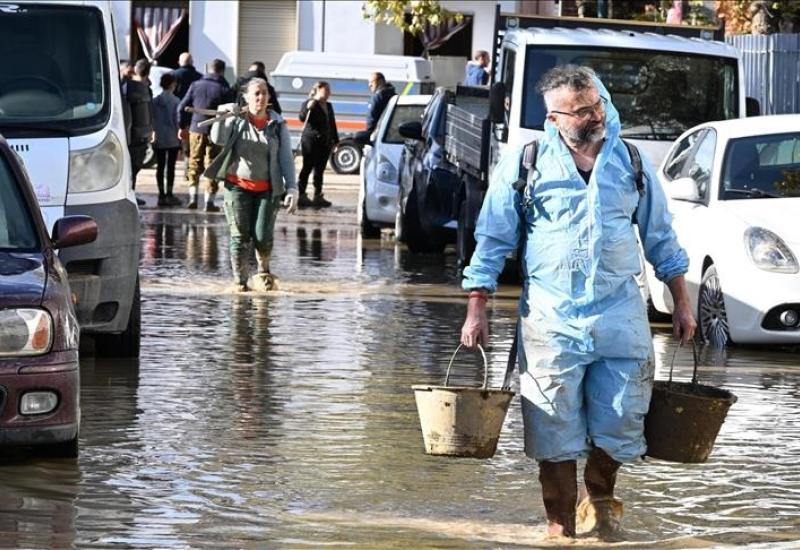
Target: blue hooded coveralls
(585, 359)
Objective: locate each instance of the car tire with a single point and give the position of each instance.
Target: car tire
(65, 449)
(127, 343)
(149, 157)
(711, 314)
(415, 237)
(367, 229)
(465, 241)
(346, 158)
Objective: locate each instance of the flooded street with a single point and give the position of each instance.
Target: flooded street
(287, 420)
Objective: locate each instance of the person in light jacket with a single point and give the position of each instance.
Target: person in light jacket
(257, 168)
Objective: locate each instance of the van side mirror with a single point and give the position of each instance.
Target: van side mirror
(73, 231)
(497, 103)
(411, 130)
(683, 189)
(752, 106)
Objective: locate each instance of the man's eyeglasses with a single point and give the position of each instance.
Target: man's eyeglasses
(585, 113)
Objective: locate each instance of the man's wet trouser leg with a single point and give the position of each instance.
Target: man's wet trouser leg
(560, 496)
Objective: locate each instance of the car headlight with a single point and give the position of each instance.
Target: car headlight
(386, 170)
(97, 168)
(25, 332)
(768, 251)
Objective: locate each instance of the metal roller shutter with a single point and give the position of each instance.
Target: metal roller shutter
(267, 29)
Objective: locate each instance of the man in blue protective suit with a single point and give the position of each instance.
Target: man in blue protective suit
(585, 359)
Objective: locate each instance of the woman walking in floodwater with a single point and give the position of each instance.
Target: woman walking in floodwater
(257, 168)
(318, 139)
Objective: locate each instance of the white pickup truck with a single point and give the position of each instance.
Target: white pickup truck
(663, 79)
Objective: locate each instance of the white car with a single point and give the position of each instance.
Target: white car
(734, 192)
(380, 166)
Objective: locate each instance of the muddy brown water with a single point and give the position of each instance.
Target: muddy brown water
(288, 420)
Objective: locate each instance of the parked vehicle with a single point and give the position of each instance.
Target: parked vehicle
(734, 191)
(428, 182)
(61, 110)
(39, 377)
(641, 64)
(380, 167)
(348, 75)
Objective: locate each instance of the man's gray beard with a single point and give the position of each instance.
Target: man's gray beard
(586, 135)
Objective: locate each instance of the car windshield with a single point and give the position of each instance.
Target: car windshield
(401, 114)
(16, 225)
(761, 167)
(53, 75)
(659, 95)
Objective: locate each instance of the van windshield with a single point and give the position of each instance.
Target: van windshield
(53, 75)
(658, 94)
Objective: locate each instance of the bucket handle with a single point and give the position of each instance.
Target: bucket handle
(694, 357)
(485, 367)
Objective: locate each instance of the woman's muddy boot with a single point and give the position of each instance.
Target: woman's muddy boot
(560, 494)
(600, 513)
(263, 282)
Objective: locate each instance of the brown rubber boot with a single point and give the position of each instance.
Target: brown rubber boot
(600, 513)
(560, 494)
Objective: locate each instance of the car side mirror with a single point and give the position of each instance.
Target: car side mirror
(73, 231)
(683, 189)
(752, 106)
(411, 130)
(497, 103)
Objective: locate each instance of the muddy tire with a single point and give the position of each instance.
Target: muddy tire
(367, 229)
(415, 237)
(711, 314)
(127, 343)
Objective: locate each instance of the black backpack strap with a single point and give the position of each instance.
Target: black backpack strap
(527, 162)
(636, 163)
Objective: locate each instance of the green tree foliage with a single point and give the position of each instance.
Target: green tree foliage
(421, 13)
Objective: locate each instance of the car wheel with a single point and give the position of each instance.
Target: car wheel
(346, 158)
(65, 449)
(368, 230)
(149, 157)
(127, 343)
(417, 240)
(711, 310)
(465, 240)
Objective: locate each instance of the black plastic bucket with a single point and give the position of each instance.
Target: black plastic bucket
(685, 418)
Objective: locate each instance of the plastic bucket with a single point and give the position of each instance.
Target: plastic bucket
(684, 418)
(462, 421)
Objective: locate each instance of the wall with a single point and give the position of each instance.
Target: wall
(213, 33)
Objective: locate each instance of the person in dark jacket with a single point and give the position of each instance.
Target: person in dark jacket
(316, 142)
(475, 73)
(209, 92)
(257, 69)
(382, 92)
(185, 74)
(140, 101)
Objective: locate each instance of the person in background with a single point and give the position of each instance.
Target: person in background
(585, 350)
(476, 72)
(257, 69)
(382, 92)
(166, 143)
(209, 92)
(185, 74)
(140, 101)
(257, 166)
(318, 139)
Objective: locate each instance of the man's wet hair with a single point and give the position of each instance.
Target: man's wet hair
(574, 77)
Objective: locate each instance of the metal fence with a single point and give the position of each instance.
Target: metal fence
(771, 70)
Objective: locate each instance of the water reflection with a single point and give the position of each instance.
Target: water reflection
(287, 420)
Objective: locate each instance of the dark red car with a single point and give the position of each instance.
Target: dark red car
(39, 376)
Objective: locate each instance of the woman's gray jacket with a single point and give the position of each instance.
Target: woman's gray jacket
(281, 160)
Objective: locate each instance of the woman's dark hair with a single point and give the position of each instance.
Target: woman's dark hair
(167, 79)
(317, 85)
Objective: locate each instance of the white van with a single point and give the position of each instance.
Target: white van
(348, 75)
(61, 111)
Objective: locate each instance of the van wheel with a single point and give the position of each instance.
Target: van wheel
(127, 343)
(367, 228)
(417, 240)
(346, 158)
(65, 449)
